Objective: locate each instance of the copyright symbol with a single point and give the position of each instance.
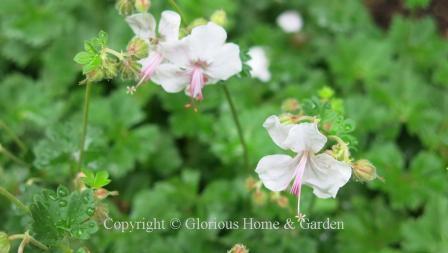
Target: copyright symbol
(175, 223)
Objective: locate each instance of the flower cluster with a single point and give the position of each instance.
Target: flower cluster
(190, 63)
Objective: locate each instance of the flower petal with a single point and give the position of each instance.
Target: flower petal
(305, 137)
(259, 64)
(143, 25)
(176, 52)
(170, 77)
(276, 171)
(290, 21)
(206, 40)
(226, 63)
(326, 175)
(169, 25)
(278, 132)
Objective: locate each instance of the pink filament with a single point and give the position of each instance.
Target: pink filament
(198, 80)
(297, 185)
(154, 61)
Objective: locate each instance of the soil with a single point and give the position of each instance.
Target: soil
(383, 11)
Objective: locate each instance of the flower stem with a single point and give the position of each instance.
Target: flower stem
(114, 53)
(29, 238)
(178, 9)
(238, 126)
(11, 156)
(14, 200)
(16, 139)
(85, 120)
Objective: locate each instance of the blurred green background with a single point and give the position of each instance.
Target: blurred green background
(387, 61)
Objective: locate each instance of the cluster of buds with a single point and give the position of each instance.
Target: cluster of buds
(127, 7)
(238, 248)
(260, 197)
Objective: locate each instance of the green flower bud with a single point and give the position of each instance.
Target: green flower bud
(94, 76)
(259, 197)
(138, 48)
(326, 93)
(142, 5)
(5, 244)
(124, 7)
(219, 17)
(129, 69)
(364, 170)
(291, 105)
(197, 22)
(238, 248)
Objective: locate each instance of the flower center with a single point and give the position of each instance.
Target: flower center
(197, 82)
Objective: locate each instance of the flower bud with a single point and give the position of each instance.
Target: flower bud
(124, 7)
(94, 76)
(282, 201)
(129, 69)
(291, 105)
(142, 5)
(5, 244)
(198, 22)
(102, 193)
(251, 183)
(219, 17)
(326, 93)
(364, 170)
(259, 197)
(238, 248)
(138, 48)
(79, 181)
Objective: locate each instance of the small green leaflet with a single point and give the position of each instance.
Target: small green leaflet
(96, 180)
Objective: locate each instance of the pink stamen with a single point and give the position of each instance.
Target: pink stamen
(198, 80)
(297, 185)
(146, 73)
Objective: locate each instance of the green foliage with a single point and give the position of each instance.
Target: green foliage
(59, 214)
(96, 180)
(5, 245)
(167, 161)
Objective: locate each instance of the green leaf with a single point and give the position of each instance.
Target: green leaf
(5, 245)
(83, 58)
(96, 180)
(59, 214)
(429, 233)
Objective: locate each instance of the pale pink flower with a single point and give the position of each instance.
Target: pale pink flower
(144, 27)
(200, 59)
(320, 171)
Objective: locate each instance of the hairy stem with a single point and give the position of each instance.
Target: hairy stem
(85, 120)
(16, 139)
(14, 200)
(114, 53)
(11, 156)
(238, 126)
(28, 239)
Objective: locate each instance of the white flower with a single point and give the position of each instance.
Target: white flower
(290, 21)
(259, 63)
(320, 171)
(144, 27)
(199, 59)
